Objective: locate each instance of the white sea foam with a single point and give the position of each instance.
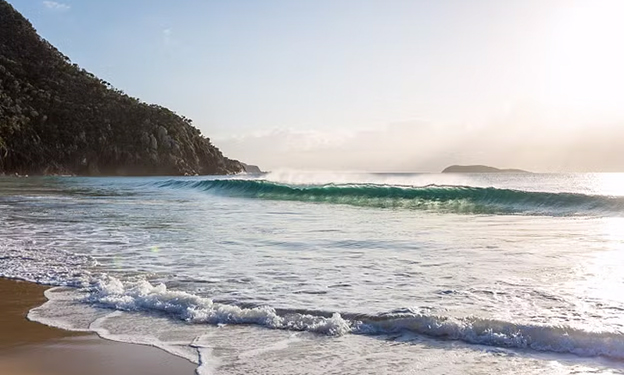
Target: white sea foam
(125, 312)
(65, 309)
(136, 325)
(208, 363)
(144, 297)
(473, 330)
(28, 260)
(299, 177)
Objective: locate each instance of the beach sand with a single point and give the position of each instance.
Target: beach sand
(29, 348)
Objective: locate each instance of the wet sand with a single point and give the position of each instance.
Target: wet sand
(29, 348)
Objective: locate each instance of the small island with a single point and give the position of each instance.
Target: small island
(479, 169)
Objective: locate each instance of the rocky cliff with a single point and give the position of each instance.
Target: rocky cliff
(253, 169)
(56, 118)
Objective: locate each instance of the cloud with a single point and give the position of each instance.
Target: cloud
(397, 147)
(167, 37)
(56, 6)
(514, 141)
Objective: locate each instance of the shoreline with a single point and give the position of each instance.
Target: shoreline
(31, 348)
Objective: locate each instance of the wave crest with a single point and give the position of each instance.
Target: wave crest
(456, 199)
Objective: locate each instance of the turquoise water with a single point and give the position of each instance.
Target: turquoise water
(323, 272)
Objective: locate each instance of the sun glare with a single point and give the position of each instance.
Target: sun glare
(610, 184)
(585, 58)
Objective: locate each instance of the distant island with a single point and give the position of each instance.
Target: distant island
(479, 169)
(57, 118)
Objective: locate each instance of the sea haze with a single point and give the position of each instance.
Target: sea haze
(345, 273)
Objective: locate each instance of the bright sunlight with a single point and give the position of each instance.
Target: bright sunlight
(585, 62)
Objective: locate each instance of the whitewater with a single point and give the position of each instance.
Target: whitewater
(330, 272)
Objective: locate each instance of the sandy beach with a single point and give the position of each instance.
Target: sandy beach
(29, 348)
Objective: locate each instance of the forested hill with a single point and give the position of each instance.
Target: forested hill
(56, 118)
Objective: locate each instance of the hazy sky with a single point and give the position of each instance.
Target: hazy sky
(367, 85)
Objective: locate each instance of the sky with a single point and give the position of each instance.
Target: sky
(386, 85)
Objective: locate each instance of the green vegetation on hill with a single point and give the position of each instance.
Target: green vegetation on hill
(56, 118)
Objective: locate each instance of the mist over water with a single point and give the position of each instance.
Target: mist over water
(293, 272)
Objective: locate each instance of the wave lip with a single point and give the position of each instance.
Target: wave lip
(443, 198)
(142, 296)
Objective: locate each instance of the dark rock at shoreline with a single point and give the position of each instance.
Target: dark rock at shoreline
(56, 118)
(254, 169)
(479, 169)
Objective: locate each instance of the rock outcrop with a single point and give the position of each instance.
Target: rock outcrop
(253, 169)
(56, 118)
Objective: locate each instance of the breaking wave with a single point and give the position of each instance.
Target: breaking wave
(456, 199)
(144, 297)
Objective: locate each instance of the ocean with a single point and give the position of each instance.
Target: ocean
(332, 273)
